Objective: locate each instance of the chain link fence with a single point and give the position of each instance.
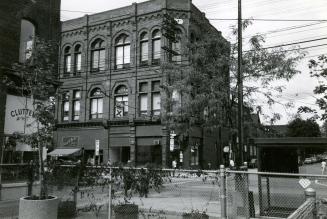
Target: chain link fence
(124, 192)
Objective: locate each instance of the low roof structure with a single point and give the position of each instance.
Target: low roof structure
(291, 142)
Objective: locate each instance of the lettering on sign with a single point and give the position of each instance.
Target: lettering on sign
(70, 141)
(21, 114)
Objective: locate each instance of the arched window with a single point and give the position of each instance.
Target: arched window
(144, 48)
(27, 34)
(123, 51)
(98, 55)
(67, 61)
(96, 104)
(156, 47)
(177, 48)
(77, 60)
(121, 101)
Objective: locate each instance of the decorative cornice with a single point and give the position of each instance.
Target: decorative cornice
(149, 17)
(73, 33)
(121, 23)
(82, 124)
(97, 28)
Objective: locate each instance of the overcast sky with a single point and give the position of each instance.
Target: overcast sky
(299, 89)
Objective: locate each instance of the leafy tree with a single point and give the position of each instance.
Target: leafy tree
(36, 79)
(263, 71)
(318, 69)
(207, 77)
(303, 128)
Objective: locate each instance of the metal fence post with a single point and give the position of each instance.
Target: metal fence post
(246, 191)
(223, 197)
(310, 193)
(109, 193)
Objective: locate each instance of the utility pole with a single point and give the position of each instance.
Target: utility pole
(239, 159)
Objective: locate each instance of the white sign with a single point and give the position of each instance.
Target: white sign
(172, 140)
(97, 147)
(179, 21)
(172, 144)
(305, 183)
(19, 115)
(226, 149)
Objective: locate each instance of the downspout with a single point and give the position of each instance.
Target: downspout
(86, 67)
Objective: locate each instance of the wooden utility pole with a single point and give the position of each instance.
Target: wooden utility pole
(239, 157)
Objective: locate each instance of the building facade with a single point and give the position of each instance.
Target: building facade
(20, 22)
(110, 100)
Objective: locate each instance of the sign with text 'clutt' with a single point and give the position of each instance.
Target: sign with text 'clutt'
(19, 115)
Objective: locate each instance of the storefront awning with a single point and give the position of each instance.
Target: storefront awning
(61, 152)
(23, 147)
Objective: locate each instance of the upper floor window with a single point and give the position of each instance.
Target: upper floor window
(156, 46)
(177, 49)
(77, 59)
(144, 48)
(76, 105)
(121, 101)
(98, 55)
(123, 51)
(156, 98)
(67, 61)
(27, 34)
(65, 106)
(96, 104)
(143, 98)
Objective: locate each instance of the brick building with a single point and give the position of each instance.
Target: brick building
(20, 21)
(109, 102)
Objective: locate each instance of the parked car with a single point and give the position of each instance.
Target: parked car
(308, 160)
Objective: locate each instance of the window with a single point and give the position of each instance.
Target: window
(65, 106)
(121, 101)
(177, 49)
(76, 105)
(27, 34)
(123, 51)
(96, 104)
(77, 60)
(67, 64)
(156, 98)
(98, 55)
(156, 47)
(195, 155)
(177, 100)
(144, 46)
(143, 98)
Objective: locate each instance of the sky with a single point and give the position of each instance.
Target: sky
(300, 88)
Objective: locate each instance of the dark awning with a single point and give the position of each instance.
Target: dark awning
(61, 152)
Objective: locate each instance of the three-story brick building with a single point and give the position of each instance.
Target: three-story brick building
(110, 100)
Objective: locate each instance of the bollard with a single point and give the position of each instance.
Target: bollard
(310, 193)
(223, 198)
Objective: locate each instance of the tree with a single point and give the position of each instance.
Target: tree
(206, 78)
(318, 69)
(303, 128)
(36, 79)
(263, 71)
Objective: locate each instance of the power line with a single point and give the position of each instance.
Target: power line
(267, 19)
